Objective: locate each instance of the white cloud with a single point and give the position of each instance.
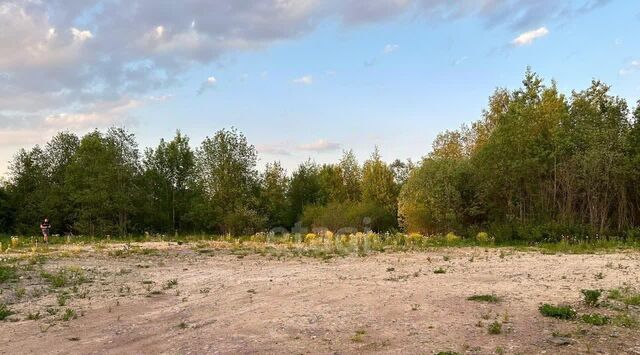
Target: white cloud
(207, 84)
(630, 68)
(321, 145)
(304, 80)
(273, 149)
(390, 48)
(530, 36)
(80, 35)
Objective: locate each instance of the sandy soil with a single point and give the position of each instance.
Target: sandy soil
(385, 303)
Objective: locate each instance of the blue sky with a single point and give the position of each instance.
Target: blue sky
(306, 83)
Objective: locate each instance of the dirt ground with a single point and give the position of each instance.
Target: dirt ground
(179, 300)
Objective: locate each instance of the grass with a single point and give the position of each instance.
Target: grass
(625, 320)
(68, 315)
(560, 312)
(495, 328)
(68, 276)
(4, 311)
(358, 337)
(7, 273)
(595, 319)
(591, 297)
(439, 271)
(626, 295)
(484, 298)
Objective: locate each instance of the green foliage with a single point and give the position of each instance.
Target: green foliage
(595, 319)
(68, 315)
(560, 312)
(7, 273)
(484, 298)
(495, 328)
(591, 297)
(4, 311)
(537, 167)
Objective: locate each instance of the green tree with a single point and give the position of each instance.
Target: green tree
(226, 166)
(169, 170)
(273, 195)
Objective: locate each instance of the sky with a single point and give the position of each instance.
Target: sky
(300, 78)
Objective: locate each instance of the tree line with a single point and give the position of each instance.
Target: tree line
(538, 165)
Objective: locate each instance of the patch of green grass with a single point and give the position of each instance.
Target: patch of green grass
(484, 298)
(62, 299)
(591, 297)
(625, 320)
(448, 353)
(4, 311)
(68, 276)
(439, 271)
(68, 315)
(495, 328)
(560, 312)
(595, 319)
(7, 273)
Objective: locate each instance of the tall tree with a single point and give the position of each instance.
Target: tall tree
(226, 165)
(273, 195)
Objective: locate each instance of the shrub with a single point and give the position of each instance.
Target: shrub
(482, 237)
(560, 312)
(452, 237)
(595, 319)
(591, 297)
(68, 315)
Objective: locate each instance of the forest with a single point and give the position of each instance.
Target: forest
(538, 165)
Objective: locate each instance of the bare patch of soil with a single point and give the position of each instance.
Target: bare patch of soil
(177, 299)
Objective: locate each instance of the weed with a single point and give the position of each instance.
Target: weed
(560, 312)
(52, 311)
(591, 297)
(205, 290)
(7, 273)
(446, 258)
(33, 316)
(439, 271)
(171, 284)
(599, 276)
(358, 337)
(415, 307)
(68, 315)
(484, 298)
(62, 299)
(183, 325)
(495, 328)
(448, 353)
(4, 311)
(595, 319)
(625, 320)
(20, 292)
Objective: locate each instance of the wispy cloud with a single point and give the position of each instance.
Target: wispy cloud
(321, 145)
(528, 37)
(207, 84)
(390, 48)
(630, 68)
(304, 80)
(273, 149)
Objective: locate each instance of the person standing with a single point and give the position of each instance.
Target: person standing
(45, 227)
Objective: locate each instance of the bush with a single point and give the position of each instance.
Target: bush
(482, 237)
(560, 312)
(591, 297)
(452, 237)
